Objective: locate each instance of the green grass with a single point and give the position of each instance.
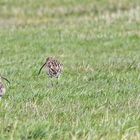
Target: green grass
(98, 96)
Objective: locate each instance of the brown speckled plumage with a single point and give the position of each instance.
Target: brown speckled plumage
(53, 67)
(2, 86)
(2, 89)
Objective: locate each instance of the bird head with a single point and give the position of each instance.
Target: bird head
(3, 78)
(48, 59)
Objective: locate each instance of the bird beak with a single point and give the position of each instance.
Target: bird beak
(5, 79)
(41, 68)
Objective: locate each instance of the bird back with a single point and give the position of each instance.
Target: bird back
(54, 68)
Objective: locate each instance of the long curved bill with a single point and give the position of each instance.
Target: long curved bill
(41, 68)
(5, 79)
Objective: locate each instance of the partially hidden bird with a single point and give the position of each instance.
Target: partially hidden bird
(2, 86)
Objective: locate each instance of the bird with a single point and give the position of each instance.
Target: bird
(2, 86)
(53, 67)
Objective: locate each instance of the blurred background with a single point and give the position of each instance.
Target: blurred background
(30, 12)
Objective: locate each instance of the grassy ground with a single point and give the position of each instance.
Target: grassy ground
(98, 96)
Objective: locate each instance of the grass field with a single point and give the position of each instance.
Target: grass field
(98, 96)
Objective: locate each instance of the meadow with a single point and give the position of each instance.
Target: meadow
(98, 95)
